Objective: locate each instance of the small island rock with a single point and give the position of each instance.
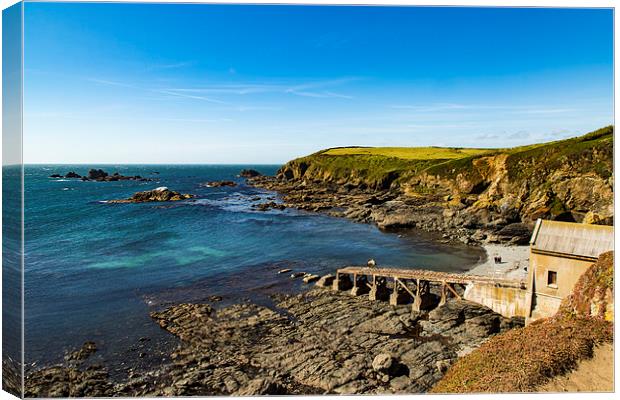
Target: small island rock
(249, 173)
(159, 194)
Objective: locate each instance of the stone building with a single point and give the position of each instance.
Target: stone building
(559, 253)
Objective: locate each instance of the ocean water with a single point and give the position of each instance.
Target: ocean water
(93, 270)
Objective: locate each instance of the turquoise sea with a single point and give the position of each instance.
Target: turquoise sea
(94, 270)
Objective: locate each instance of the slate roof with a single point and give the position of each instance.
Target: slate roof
(571, 238)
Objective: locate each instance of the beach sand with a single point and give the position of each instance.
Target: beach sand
(515, 259)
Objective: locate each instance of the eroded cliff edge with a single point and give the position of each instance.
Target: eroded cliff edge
(475, 195)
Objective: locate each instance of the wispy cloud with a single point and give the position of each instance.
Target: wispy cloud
(487, 136)
(321, 89)
(168, 92)
(317, 89)
(321, 95)
(173, 65)
(189, 96)
(518, 109)
(196, 120)
(519, 135)
(110, 83)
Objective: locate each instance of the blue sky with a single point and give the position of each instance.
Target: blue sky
(178, 83)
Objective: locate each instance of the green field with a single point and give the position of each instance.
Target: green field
(408, 153)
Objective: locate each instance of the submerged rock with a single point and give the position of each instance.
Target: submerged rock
(268, 205)
(220, 184)
(87, 349)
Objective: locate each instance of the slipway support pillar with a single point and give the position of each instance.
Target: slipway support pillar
(360, 286)
(342, 282)
(422, 299)
(378, 289)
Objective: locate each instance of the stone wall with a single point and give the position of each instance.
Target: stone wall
(507, 301)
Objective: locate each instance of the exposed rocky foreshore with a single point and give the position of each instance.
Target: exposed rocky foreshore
(316, 342)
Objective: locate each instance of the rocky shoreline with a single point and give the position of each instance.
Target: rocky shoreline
(392, 209)
(316, 342)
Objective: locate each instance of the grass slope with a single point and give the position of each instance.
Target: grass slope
(523, 359)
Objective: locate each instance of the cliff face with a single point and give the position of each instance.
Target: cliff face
(569, 180)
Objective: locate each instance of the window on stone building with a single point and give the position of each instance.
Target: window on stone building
(552, 279)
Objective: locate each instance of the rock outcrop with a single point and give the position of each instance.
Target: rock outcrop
(160, 194)
(249, 173)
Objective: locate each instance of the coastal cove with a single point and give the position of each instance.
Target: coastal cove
(95, 270)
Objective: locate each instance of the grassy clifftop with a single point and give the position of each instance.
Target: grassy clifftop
(568, 179)
(374, 166)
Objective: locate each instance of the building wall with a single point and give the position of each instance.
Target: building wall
(507, 301)
(546, 299)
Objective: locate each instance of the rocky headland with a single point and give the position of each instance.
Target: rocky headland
(161, 194)
(471, 195)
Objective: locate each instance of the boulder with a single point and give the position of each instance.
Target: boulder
(284, 271)
(310, 278)
(382, 362)
(326, 281)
